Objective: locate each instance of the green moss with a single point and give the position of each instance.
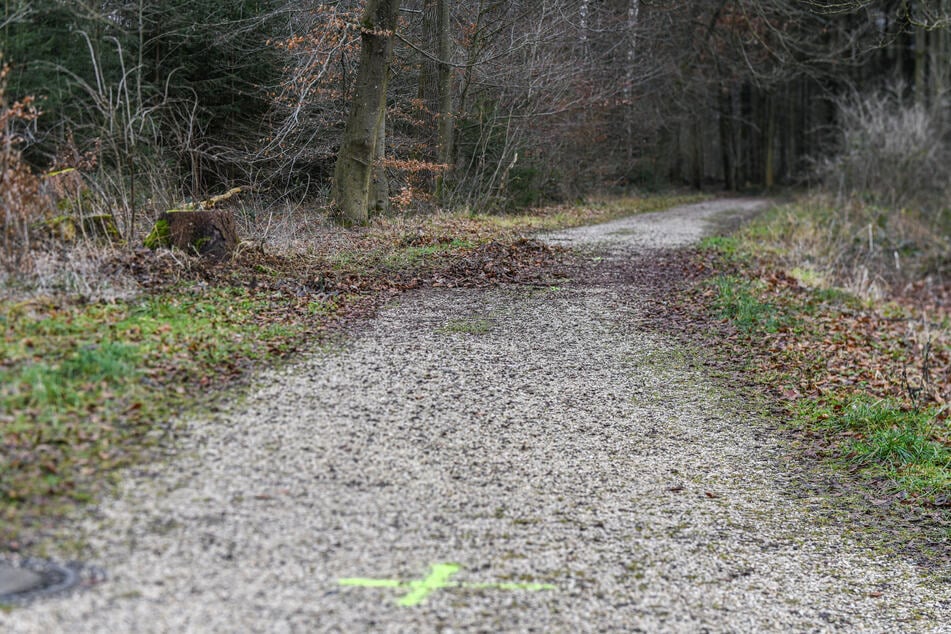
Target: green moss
(470, 326)
(62, 227)
(160, 236)
(102, 226)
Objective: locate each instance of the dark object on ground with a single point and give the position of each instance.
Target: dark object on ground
(25, 579)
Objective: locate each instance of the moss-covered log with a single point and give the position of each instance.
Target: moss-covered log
(99, 228)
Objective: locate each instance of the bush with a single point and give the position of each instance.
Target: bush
(862, 247)
(891, 152)
(21, 196)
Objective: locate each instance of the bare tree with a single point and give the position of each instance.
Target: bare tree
(361, 140)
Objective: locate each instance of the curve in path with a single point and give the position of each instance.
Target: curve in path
(487, 461)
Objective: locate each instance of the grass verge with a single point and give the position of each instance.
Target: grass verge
(867, 378)
(89, 388)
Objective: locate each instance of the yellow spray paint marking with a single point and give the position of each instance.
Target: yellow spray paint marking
(418, 590)
(438, 578)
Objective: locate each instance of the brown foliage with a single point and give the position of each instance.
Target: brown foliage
(21, 195)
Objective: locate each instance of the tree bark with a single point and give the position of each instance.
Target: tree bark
(429, 77)
(696, 163)
(769, 178)
(358, 151)
(445, 82)
(727, 136)
(921, 57)
(446, 114)
(633, 15)
(208, 233)
(435, 84)
(380, 195)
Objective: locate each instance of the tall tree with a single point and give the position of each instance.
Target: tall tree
(361, 143)
(445, 117)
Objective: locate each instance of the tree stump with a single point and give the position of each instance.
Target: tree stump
(209, 233)
(102, 228)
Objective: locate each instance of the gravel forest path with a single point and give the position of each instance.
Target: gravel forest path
(518, 459)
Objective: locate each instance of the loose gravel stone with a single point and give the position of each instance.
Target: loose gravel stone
(558, 444)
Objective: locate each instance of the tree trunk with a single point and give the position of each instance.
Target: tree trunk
(446, 114)
(208, 233)
(769, 178)
(429, 79)
(633, 14)
(358, 151)
(445, 83)
(727, 140)
(380, 196)
(921, 52)
(938, 62)
(435, 89)
(696, 163)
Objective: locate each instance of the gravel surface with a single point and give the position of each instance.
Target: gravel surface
(579, 472)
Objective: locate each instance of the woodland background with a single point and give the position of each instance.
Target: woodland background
(491, 104)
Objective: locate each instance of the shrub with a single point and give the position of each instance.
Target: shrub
(21, 195)
(890, 151)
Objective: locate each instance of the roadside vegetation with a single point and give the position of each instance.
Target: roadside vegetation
(841, 313)
(840, 300)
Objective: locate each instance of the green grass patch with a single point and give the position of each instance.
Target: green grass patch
(886, 439)
(727, 246)
(899, 447)
(323, 307)
(85, 388)
(738, 299)
(409, 256)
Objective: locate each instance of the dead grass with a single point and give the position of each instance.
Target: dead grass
(82, 271)
(868, 250)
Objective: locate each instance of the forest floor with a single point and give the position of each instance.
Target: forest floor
(581, 447)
